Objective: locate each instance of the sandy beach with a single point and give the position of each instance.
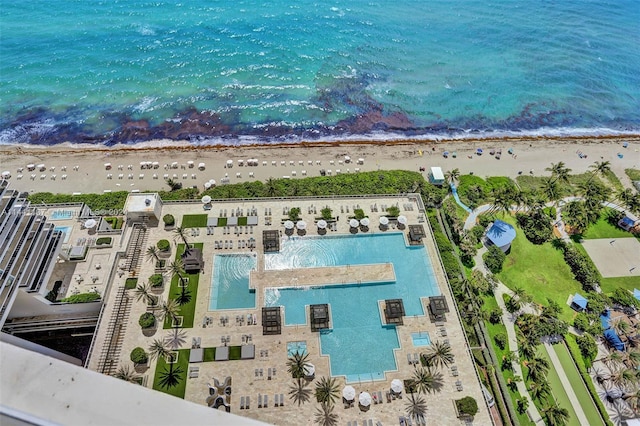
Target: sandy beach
(82, 169)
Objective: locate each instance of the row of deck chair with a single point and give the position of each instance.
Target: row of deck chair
(263, 400)
(413, 359)
(407, 421)
(368, 422)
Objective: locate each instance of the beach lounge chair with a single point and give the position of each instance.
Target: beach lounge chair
(259, 400)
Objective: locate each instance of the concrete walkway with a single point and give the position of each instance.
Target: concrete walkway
(566, 384)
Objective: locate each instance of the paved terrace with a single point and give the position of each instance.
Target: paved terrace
(329, 275)
(246, 382)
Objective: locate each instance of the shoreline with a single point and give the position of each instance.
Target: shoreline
(70, 169)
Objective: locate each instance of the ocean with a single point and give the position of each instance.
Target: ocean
(247, 71)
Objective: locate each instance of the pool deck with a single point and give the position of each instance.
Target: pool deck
(251, 377)
(321, 276)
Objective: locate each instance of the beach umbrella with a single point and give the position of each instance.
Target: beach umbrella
(349, 393)
(207, 185)
(90, 223)
(301, 225)
(479, 151)
(445, 154)
(364, 399)
(361, 160)
(229, 163)
(309, 370)
(143, 164)
(402, 220)
(364, 222)
(347, 159)
(354, 223)
(42, 167)
(155, 164)
(190, 163)
(322, 224)
(201, 166)
(206, 199)
(31, 167)
(107, 166)
(212, 182)
(6, 174)
(384, 221)
(397, 386)
(288, 224)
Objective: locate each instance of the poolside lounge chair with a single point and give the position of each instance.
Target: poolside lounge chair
(370, 422)
(401, 420)
(242, 402)
(246, 402)
(266, 401)
(388, 396)
(409, 359)
(281, 395)
(259, 400)
(275, 397)
(459, 385)
(269, 376)
(416, 358)
(408, 420)
(380, 400)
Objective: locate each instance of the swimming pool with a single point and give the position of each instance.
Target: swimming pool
(61, 214)
(230, 282)
(421, 339)
(66, 230)
(354, 307)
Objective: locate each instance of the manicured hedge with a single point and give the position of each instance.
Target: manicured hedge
(103, 241)
(130, 283)
(82, 298)
(139, 356)
(168, 220)
(163, 245)
(156, 280)
(147, 320)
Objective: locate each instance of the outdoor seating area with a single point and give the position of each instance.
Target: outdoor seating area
(394, 311)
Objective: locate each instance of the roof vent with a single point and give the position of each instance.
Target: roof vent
(147, 202)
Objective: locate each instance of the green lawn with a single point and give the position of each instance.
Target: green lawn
(634, 174)
(183, 363)
(603, 229)
(540, 270)
(187, 311)
(209, 354)
(558, 390)
(194, 221)
(577, 384)
(608, 285)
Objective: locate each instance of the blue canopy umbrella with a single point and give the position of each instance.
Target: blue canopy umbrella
(579, 303)
(479, 151)
(613, 339)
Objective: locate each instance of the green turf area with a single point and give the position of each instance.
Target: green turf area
(194, 221)
(577, 384)
(558, 390)
(242, 221)
(188, 310)
(603, 229)
(183, 363)
(531, 183)
(608, 285)
(634, 174)
(222, 221)
(540, 270)
(209, 354)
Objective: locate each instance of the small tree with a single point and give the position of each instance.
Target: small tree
(139, 356)
(168, 220)
(326, 213)
(494, 258)
(501, 340)
(393, 211)
(359, 214)
(164, 245)
(147, 320)
(467, 406)
(294, 214)
(156, 280)
(174, 185)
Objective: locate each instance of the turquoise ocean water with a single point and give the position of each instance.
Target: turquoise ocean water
(273, 70)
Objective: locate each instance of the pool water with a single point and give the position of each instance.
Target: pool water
(354, 307)
(421, 339)
(61, 214)
(299, 347)
(230, 282)
(66, 230)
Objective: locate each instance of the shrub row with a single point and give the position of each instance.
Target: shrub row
(82, 298)
(582, 268)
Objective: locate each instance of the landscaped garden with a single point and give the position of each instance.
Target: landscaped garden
(194, 221)
(185, 295)
(171, 378)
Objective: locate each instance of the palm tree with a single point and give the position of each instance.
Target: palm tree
(299, 391)
(327, 390)
(169, 309)
(176, 267)
(602, 167)
(551, 190)
(325, 416)
(621, 327)
(625, 196)
(440, 355)
(416, 407)
(182, 234)
(632, 358)
(508, 359)
(502, 201)
(526, 347)
(522, 405)
(613, 360)
(452, 176)
(296, 364)
(559, 171)
(539, 390)
(143, 292)
(153, 254)
(270, 187)
(623, 377)
(127, 374)
(538, 369)
(159, 349)
(575, 215)
(176, 338)
(426, 381)
(555, 415)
